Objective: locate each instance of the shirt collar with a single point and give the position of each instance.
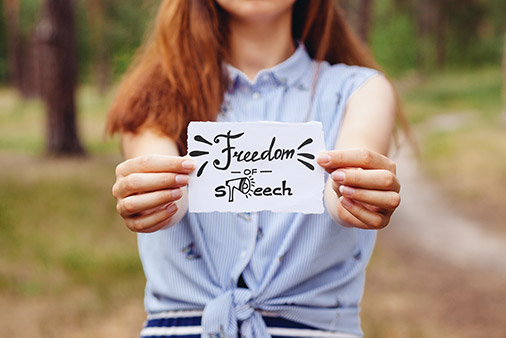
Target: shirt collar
(285, 73)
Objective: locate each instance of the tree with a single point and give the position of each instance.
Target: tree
(11, 9)
(58, 64)
(21, 50)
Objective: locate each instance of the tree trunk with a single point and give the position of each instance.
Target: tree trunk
(11, 8)
(58, 64)
(441, 28)
(365, 15)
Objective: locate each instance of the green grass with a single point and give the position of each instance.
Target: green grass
(476, 91)
(469, 162)
(59, 229)
(60, 235)
(22, 123)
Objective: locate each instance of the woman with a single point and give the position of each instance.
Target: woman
(259, 274)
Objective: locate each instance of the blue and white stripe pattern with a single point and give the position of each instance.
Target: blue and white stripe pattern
(187, 324)
(302, 268)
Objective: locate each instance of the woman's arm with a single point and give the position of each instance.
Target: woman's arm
(150, 186)
(363, 190)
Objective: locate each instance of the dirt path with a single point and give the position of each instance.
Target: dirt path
(428, 219)
(435, 272)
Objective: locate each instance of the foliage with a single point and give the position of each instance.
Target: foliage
(392, 38)
(474, 92)
(471, 32)
(473, 35)
(127, 22)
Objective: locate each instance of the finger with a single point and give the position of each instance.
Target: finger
(383, 199)
(154, 164)
(369, 179)
(148, 223)
(337, 188)
(374, 208)
(360, 158)
(160, 225)
(138, 203)
(371, 220)
(349, 220)
(144, 182)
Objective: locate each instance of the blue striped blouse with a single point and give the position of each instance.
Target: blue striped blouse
(305, 268)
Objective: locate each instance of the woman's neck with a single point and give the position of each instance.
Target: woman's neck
(258, 45)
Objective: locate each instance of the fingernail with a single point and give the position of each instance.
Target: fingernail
(345, 190)
(171, 208)
(188, 164)
(338, 176)
(345, 202)
(323, 158)
(181, 179)
(177, 193)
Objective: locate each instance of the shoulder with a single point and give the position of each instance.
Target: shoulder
(375, 90)
(342, 74)
(344, 80)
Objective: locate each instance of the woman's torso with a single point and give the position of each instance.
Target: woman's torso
(305, 268)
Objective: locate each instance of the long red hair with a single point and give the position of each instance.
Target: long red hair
(178, 75)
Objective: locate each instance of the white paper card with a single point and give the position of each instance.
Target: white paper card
(254, 166)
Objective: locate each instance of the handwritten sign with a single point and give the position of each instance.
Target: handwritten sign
(254, 166)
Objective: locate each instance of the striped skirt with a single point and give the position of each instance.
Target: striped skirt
(187, 324)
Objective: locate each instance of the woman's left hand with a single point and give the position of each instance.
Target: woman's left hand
(365, 183)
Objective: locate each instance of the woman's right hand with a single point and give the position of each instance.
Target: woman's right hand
(147, 188)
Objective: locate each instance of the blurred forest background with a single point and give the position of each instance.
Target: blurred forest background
(69, 268)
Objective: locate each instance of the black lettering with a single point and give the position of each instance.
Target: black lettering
(247, 156)
(270, 148)
(286, 189)
(288, 153)
(269, 154)
(266, 154)
(267, 191)
(254, 157)
(228, 149)
(259, 191)
(220, 191)
(237, 155)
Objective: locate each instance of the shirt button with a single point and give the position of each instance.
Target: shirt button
(243, 254)
(256, 95)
